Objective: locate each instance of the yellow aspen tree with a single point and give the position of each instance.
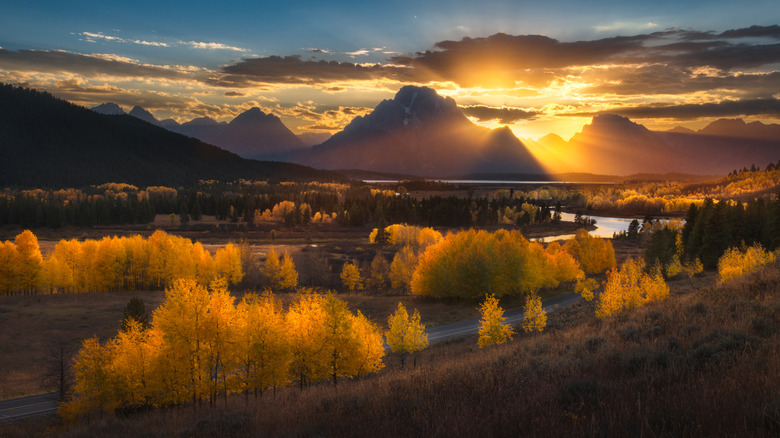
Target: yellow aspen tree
(405, 335)
(492, 329)
(159, 250)
(288, 275)
(68, 252)
(594, 254)
(183, 323)
(585, 287)
(629, 287)
(263, 355)
(340, 344)
(370, 346)
(535, 316)
(306, 331)
(227, 263)
(132, 364)
(29, 261)
(87, 277)
(221, 336)
(653, 286)
(137, 262)
(95, 384)
(272, 268)
(54, 274)
(8, 267)
(204, 264)
(402, 268)
(350, 277)
(735, 263)
(427, 237)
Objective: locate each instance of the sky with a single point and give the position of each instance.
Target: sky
(537, 67)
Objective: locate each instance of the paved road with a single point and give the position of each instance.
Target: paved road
(28, 406)
(513, 317)
(47, 403)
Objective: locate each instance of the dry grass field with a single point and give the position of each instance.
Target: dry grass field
(702, 363)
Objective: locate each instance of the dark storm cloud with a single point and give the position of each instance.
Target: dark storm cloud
(234, 94)
(504, 115)
(293, 70)
(51, 61)
(728, 108)
(753, 32)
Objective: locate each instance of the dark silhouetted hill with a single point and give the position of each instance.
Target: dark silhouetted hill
(49, 142)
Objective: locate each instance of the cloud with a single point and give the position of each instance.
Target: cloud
(54, 61)
(334, 89)
(504, 115)
(214, 46)
(670, 80)
(234, 94)
(328, 119)
(503, 60)
(727, 108)
(93, 37)
(293, 70)
(624, 26)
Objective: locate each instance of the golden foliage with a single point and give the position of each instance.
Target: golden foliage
(113, 264)
(405, 335)
(535, 316)
(594, 254)
(735, 263)
(201, 345)
(471, 263)
(350, 276)
(629, 287)
(492, 329)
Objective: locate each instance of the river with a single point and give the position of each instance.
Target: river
(605, 226)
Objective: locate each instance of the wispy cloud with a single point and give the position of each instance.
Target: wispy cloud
(622, 26)
(93, 37)
(214, 46)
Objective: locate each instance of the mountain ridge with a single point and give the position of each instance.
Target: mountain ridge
(419, 132)
(81, 147)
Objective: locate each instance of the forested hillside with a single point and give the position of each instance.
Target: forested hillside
(51, 143)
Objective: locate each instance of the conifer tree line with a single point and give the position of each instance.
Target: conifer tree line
(714, 227)
(254, 202)
(202, 346)
(112, 264)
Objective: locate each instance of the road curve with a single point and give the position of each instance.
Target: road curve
(28, 406)
(513, 316)
(47, 403)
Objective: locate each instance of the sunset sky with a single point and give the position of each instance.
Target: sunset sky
(539, 67)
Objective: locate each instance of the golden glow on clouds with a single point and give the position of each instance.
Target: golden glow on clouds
(532, 83)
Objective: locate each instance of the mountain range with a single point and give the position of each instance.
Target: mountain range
(615, 145)
(252, 134)
(48, 142)
(419, 132)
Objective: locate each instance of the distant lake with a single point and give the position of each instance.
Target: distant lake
(485, 181)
